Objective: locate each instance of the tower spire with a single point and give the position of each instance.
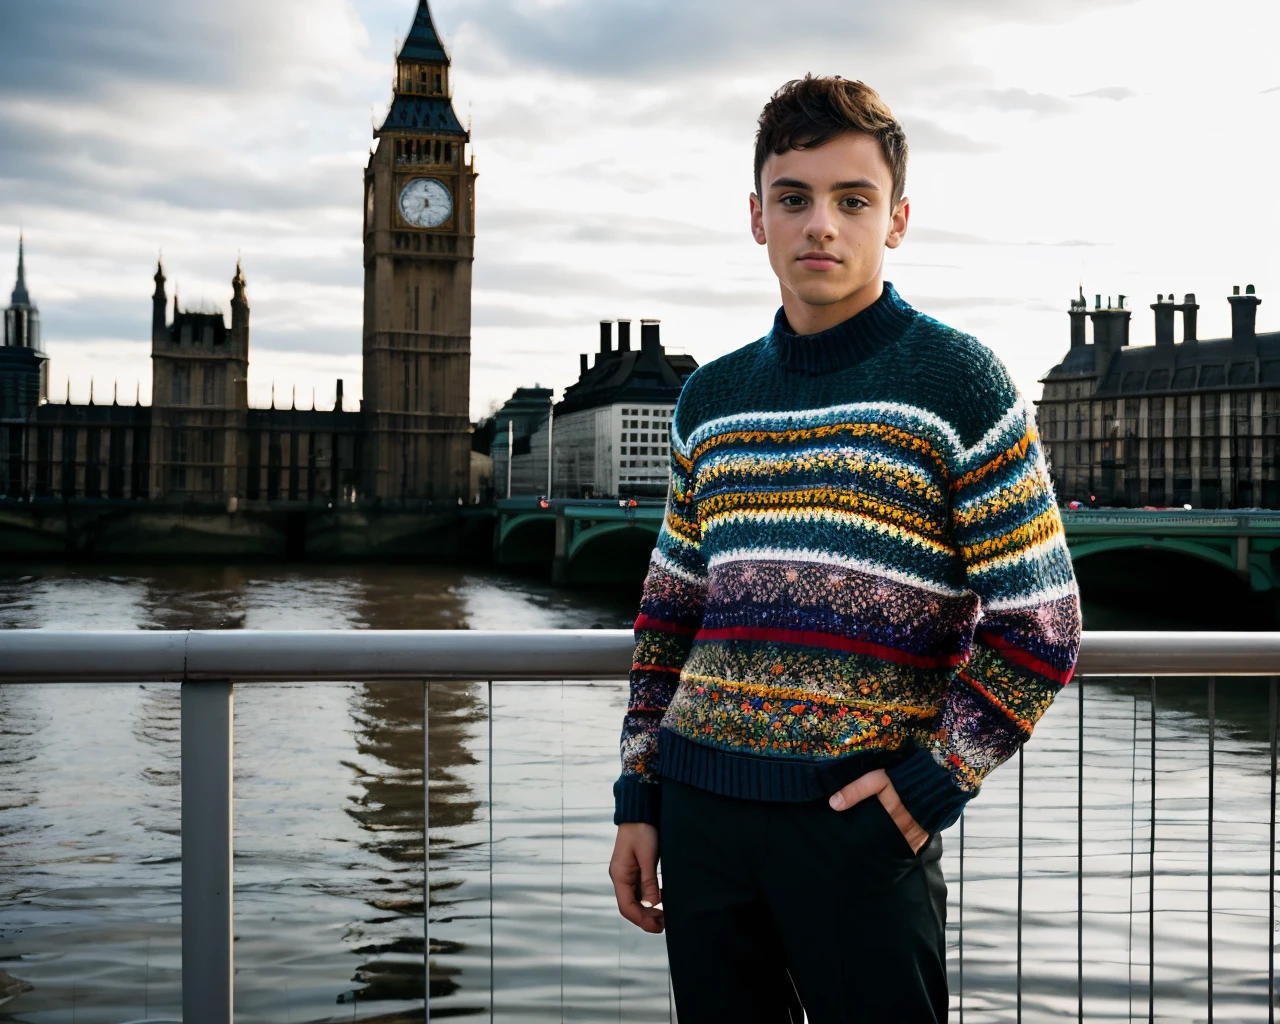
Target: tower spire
(20, 296)
(423, 41)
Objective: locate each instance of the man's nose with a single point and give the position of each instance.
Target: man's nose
(821, 225)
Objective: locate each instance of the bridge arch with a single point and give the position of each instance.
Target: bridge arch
(525, 539)
(1216, 554)
(612, 551)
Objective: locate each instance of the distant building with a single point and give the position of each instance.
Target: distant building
(199, 440)
(24, 368)
(612, 431)
(514, 427)
(1194, 422)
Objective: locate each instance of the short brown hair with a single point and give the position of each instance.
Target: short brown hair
(809, 111)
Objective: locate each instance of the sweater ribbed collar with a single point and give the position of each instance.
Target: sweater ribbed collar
(847, 343)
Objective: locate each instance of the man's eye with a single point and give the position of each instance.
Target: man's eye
(854, 202)
(792, 200)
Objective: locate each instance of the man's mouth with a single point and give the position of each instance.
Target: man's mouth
(818, 260)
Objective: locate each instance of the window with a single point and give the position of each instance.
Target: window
(1182, 455)
(1240, 426)
(180, 393)
(1182, 416)
(1155, 417)
(212, 384)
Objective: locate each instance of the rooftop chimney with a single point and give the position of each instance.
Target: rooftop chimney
(1244, 313)
(1188, 310)
(582, 365)
(649, 341)
(1079, 313)
(624, 335)
(606, 335)
(1164, 319)
(337, 401)
(1110, 332)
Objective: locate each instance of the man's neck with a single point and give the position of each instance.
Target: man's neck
(806, 318)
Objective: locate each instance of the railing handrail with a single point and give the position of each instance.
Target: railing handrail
(255, 656)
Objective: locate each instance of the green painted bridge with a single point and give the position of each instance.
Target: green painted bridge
(1243, 542)
(607, 540)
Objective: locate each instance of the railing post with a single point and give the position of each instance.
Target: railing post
(426, 849)
(207, 995)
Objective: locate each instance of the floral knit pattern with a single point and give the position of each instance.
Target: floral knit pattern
(862, 565)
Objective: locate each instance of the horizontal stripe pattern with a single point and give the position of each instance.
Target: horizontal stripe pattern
(839, 579)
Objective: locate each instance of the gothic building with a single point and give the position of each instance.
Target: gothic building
(1192, 422)
(419, 236)
(199, 441)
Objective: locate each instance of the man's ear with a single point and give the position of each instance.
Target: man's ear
(898, 223)
(757, 219)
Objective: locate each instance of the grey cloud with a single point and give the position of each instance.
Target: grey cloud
(90, 48)
(927, 136)
(940, 237)
(1274, 88)
(1011, 99)
(1110, 92)
(647, 41)
(487, 314)
(603, 229)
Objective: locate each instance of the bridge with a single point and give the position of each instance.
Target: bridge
(607, 540)
(584, 540)
(1243, 542)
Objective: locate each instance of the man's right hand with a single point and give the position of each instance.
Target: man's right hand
(633, 869)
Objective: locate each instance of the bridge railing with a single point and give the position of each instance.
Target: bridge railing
(210, 663)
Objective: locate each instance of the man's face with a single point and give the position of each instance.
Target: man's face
(827, 215)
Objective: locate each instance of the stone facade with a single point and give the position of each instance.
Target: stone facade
(409, 443)
(1194, 422)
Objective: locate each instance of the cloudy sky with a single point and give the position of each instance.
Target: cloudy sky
(1130, 145)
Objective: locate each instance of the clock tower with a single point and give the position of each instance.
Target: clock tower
(419, 235)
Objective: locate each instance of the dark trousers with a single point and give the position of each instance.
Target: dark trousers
(767, 903)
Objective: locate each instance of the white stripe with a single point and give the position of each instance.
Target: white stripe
(1028, 554)
(815, 557)
(1034, 599)
(996, 436)
(799, 419)
(850, 451)
(1038, 471)
(679, 571)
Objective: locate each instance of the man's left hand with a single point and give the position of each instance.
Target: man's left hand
(876, 784)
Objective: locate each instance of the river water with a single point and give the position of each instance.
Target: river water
(329, 827)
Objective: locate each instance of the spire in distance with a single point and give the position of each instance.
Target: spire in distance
(20, 296)
(423, 41)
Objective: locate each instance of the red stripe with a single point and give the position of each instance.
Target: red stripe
(663, 625)
(1015, 654)
(808, 638)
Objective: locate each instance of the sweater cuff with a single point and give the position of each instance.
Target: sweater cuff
(927, 792)
(636, 800)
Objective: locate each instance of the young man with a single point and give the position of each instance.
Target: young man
(860, 603)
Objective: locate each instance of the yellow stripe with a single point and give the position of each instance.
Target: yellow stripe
(1020, 492)
(820, 498)
(791, 693)
(830, 516)
(904, 478)
(885, 432)
(1042, 528)
(1014, 454)
(683, 529)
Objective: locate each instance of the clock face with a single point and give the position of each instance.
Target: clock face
(425, 203)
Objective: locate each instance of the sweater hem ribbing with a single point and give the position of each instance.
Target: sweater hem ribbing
(755, 777)
(927, 792)
(636, 800)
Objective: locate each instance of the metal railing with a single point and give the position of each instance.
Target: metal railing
(210, 663)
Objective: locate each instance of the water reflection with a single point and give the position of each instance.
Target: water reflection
(329, 826)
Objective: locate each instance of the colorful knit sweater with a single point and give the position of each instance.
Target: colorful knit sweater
(862, 566)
